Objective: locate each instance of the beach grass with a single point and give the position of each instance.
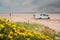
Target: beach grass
(30, 26)
(38, 27)
(18, 31)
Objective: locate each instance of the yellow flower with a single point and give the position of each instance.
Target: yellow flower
(1, 26)
(14, 28)
(43, 36)
(28, 38)
(22, 28)
(15, 34)
(0, 18)
(1, 35)
(17, 31)
(18, 27)
(8, 23)
(23, 34)
(13, 25)
(30, 34)
(10, 36)
(11, 32)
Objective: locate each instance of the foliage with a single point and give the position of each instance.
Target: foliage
(48, 31)
(29, 26)
(10, 31)
(58, 34)
(38, 27)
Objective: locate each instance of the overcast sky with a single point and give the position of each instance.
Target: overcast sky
(30, 5)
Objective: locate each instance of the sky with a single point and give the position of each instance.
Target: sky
(29, 5)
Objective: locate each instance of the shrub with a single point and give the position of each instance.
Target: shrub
(10, 31)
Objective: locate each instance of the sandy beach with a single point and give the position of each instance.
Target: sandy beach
(53, 22)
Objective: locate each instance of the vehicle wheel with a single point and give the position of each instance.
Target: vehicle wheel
(48, 17)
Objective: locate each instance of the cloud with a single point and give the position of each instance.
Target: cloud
(16, 5)
(30, 5)
(49, 6)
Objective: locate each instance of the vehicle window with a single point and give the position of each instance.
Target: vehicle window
(45, 15)
(40, 14)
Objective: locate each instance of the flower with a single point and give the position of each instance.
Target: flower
(0, 18)
(1, 26)
(10, 30)
(28, 38)
(13, 25)
(9, 36)
(15, 34)
(1, 35)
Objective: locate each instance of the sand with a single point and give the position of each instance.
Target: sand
(53, 22)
